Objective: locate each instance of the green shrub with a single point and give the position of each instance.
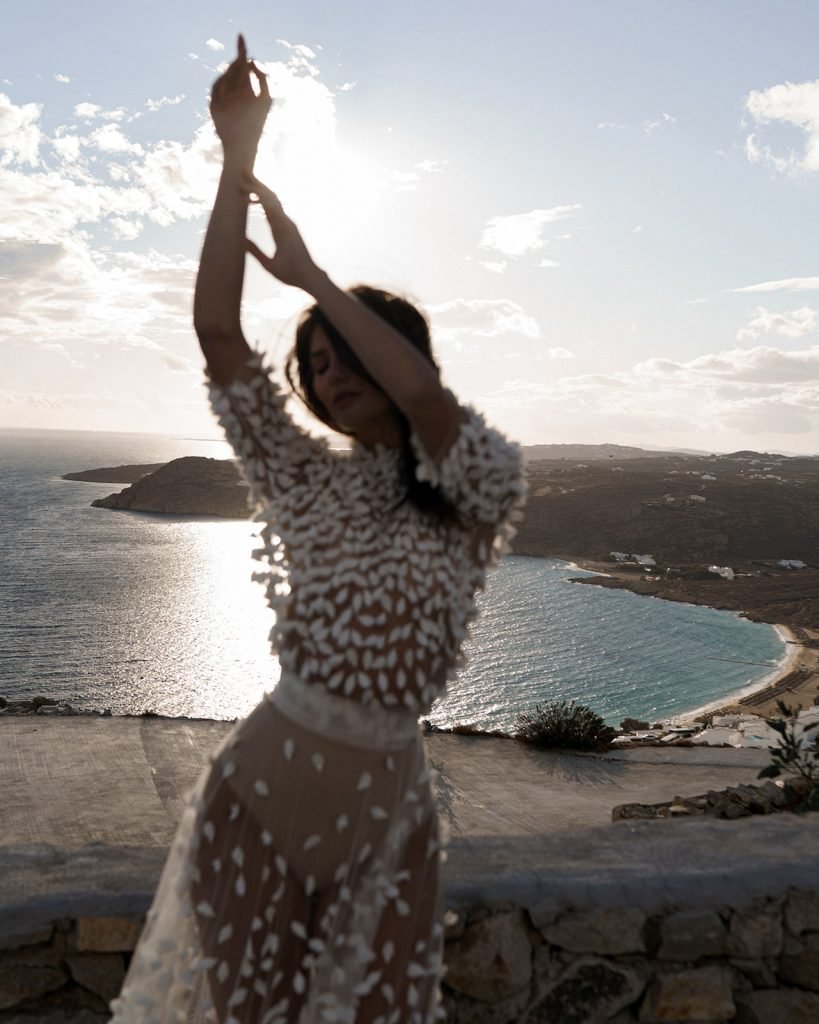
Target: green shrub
(794, 758)
(564, 726)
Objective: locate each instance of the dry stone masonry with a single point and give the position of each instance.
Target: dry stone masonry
(757, 964)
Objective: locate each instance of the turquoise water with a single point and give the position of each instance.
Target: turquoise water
(543, 638)
(140, 612)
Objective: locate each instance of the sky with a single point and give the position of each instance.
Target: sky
(607, 208)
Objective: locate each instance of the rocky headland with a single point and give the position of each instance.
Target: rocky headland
(114, 474)
(189, 486)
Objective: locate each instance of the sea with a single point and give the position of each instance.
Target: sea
(136, 612)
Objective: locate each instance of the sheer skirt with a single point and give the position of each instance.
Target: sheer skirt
(303, 882)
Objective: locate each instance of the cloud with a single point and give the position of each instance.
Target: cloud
(109, 139)
(62, 78)
(494, 266)
(650, 126)
(67, 147)
(93, 111)
(793, 324)
(788, 284)
(408, 181)
(165, 101)
(20, 133)
(713, 401)
(647, 126)
(793, 104)
(521, 233)
(214, 44)
(75, 199)
(302, 58)
(485, 318)
(346, 86)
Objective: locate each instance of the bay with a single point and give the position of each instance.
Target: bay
(137, 612)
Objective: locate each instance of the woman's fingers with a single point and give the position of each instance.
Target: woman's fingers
(237, 75)
(261, 78)
(267, 197)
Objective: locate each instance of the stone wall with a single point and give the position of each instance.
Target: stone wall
(757, 965)
(647, 921)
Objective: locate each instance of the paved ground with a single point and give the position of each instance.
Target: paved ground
(88, 807)
(120, 781)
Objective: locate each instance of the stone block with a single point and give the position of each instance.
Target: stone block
(691, 934)
(546, 963)
(56, 1015)
(606, 932)
(699, 994)
(17, 935)
(801, 966)
(802, 911)
(505, 1011)
(590, 991)
(755, 932)
(492, 960)
(759, 973)
(107, 934)
(777, 1006)
(100, 973)
(20, 983)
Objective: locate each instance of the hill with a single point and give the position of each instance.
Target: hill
(187, 486)
(675, 507)
(678, 508)
(584, 452)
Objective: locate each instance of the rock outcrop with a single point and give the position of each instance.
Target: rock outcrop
(114, 474)
(187, 486)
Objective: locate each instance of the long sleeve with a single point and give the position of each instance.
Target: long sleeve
(480, 474)
(275, 455)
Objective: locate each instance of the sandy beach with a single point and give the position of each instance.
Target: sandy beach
(795, 680)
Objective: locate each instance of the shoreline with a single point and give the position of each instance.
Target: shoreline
(724, 705)
(798, 661)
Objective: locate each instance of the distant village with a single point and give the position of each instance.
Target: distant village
(718, 730)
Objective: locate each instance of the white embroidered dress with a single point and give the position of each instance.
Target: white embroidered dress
(303, 883)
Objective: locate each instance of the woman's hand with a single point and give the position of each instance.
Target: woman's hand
(291, 263)
(238, 113)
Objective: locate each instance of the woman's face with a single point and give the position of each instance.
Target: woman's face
(352, 402)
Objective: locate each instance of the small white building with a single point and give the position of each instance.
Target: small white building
(696, 497)
(790, 563)
(725, 571)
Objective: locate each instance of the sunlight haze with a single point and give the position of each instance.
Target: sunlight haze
(606, 208)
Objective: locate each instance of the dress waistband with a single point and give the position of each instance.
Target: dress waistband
(371, 726)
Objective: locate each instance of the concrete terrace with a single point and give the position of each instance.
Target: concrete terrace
(122, 781)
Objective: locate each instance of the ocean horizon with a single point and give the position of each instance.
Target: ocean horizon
(139, 612)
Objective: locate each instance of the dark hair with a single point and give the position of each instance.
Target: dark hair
(413, 325)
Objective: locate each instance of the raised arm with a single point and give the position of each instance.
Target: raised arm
(393, 362)
(239, 116)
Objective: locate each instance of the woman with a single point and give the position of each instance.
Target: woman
(303, 884)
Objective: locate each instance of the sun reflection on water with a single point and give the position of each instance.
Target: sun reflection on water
(224, 622)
